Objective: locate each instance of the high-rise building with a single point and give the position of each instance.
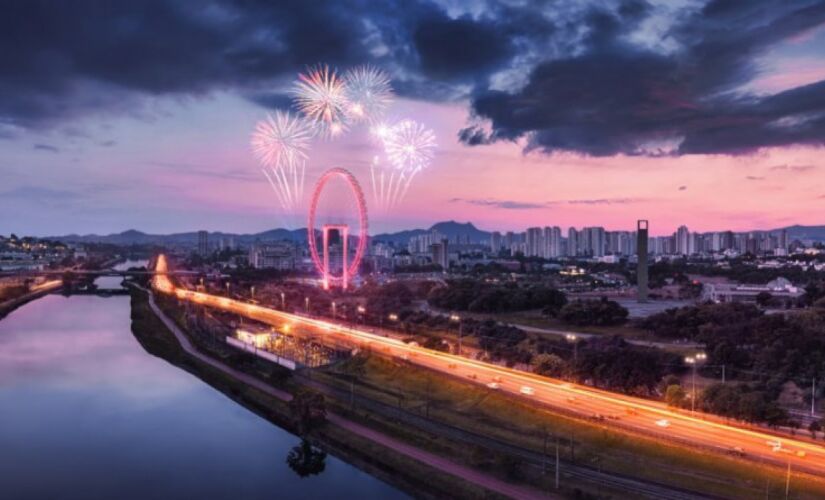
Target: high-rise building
(495, 242)
(534, 242)
(594, 241)
(439, 252)
(573, 242)
(683, 243)
(641, 253)
(203, 243)
(551, 239)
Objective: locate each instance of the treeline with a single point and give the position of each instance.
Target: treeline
(768, 348)
(479, 296)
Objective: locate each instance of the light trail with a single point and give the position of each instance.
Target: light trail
(635, 414)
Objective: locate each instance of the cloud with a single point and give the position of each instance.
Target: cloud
(36, 194)
(521, 205)
(682, 188)
(616, 98)
(46, 147)
(754, 178)
(505, 204)
(792, 168)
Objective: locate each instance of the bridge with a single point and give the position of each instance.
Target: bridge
(93, 273)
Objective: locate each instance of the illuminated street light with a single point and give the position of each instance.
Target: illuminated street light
(283, 302)
(333, 309)
(693, 361)
(393, 317)
(573, 338)
(252, 291)
(306, 304)
(456, 318)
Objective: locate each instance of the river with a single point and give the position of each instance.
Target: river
(85, 412)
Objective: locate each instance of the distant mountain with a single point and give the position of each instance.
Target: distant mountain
(797, 232)
(451, 229)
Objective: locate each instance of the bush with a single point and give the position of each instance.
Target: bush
(593, 313)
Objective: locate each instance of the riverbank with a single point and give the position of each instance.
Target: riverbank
(42, 290)
(412, 469)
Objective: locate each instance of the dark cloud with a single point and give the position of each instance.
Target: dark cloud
(617, 98)
(797, 169)
(46, 147)
(565, 76)
(604, 201)
(682, 188)
(754, 178)
(505, 204)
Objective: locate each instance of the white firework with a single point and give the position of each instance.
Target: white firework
(282, 139)
(321, 95)
(281, 143)
(410, 146)
(368, 93)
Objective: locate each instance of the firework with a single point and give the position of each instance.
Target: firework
(410, 146)
(321, 95)
(282, 139)
(368, 93)
(281, 143)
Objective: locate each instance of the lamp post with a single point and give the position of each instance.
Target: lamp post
(306, 304)
(252, 291)
(227, 289)
(333, 309)
(361, 313)
(283, 302)
(456, 318)
(574, 339)
(693, 361)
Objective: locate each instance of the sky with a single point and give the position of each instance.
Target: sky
(121, 115)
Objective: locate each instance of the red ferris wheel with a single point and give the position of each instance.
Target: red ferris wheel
(348, 269)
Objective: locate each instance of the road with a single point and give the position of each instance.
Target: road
(620, 411)
(435, 461)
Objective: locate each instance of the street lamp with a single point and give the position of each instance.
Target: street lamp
(393, 317)
(456, 318)
(574, 339)
(361, 313)
(283, 302)
(306, 304)
(227, 289)
(252, 291)
(693, 361)
(333, 309)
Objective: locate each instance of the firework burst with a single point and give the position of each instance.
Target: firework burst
(321, 95)
(281, 143)
(410, 146)
(368, 93)
(282, 139)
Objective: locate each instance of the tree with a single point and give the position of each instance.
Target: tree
(308, 410)
(675, 396)
(601, 312)
(764, 299)
(549, 365)
(306, 460)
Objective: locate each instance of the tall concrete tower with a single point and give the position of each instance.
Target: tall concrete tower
(641, 252)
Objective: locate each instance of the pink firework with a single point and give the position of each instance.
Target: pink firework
(321, 95)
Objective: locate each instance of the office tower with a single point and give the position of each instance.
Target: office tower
(641, 253)
(203, 242)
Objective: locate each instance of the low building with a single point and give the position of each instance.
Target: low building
(280, 256)
(780, 288)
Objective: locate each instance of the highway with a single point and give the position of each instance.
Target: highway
(616, 410)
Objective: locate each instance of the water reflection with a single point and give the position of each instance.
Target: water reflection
(85, 412)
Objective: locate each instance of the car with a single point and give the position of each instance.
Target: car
(451, 366)
(663, 423)
(774, 445)
(493, 385)
(737, 451)
(472, 376)
(571, 399)
(527, 390)
(497, 379)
